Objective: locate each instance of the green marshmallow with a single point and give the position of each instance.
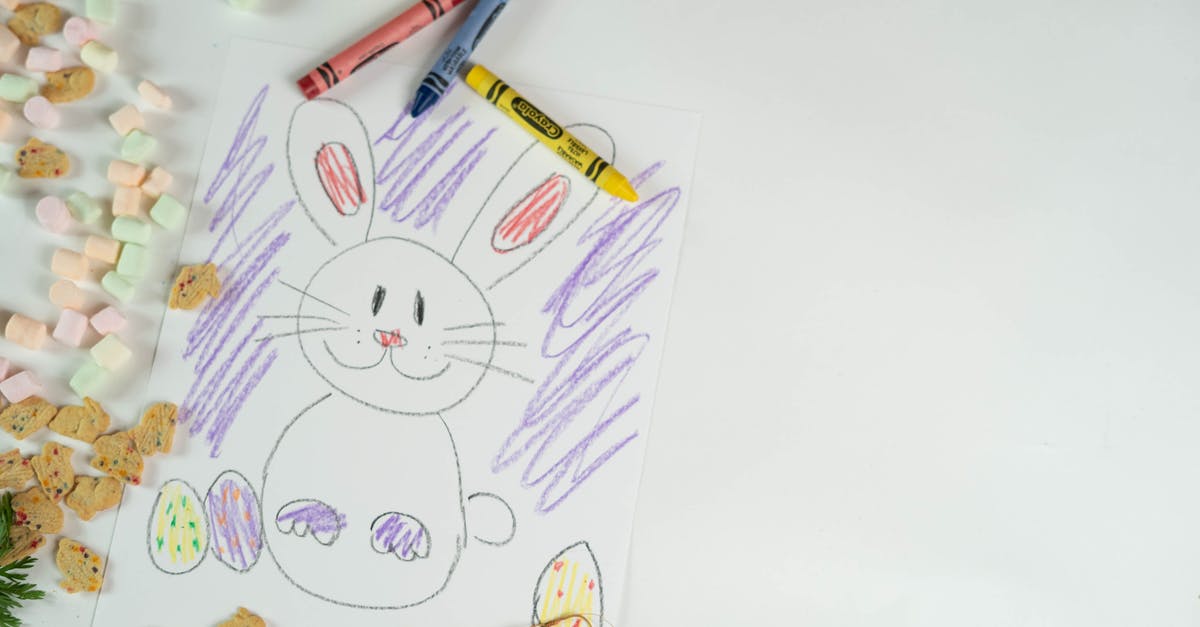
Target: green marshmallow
(84, 208)
(101, 10)
(17, 88)
(138, 146)
(168, 212)
(118, 286)
(88, 379)
(129, 229)
(133, 261)
(110, 353)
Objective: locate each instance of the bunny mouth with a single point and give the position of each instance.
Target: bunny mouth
(351, 366)
(435, 375)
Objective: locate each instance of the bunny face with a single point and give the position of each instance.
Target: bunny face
(409, 332)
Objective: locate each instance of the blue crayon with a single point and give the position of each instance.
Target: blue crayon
(447, 66)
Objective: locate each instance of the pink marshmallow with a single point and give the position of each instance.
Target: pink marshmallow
(8, 44)
(52, 212)
(42, 113)
(71, 327)
(79, 30)
(43, 59)
(127, 201)
(20, 387)
(3, 368)
(108, 320)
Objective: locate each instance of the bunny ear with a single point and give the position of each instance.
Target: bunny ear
(517, 222)
(332, 169)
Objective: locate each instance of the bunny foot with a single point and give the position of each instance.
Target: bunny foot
(304, 516)
(401, 535)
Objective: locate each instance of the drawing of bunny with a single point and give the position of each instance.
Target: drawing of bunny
(404, 333)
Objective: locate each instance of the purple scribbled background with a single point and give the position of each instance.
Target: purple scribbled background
(593, 347)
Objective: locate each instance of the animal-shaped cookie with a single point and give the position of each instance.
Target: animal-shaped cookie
(244, 618)
(30, 21)
(39, 160)
(69, 84)
(15, 470)
(156, 432)
(193, 286)
(25, 541)
(27, 417)
(82, 422)
(82, 568)
(54, 471)
(92, 495)
(117, 455)
(33, 509)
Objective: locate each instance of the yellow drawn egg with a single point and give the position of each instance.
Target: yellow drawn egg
(178, 529)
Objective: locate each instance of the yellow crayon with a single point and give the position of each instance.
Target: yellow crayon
(550, 133)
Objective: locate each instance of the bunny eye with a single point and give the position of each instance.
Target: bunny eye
(419, 308)
(377, 299)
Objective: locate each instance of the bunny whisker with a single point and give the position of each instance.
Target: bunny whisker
(294, 317)
(474, 326)
(485, 365)
(300, 332)
(304, 293)
(485, 342)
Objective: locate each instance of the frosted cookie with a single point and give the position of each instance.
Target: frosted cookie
(39, 160)
(81, 568)
(244, 618)
(24, 542)
(15, 471)
(30, 21)
(53, 470)
(117, 456)
(28, 416)
(156, 432)
(193, 285)
(82, 422)
(69, 84)
(33, 509)
(93, 495)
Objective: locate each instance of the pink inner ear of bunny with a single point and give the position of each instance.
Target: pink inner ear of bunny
(339, 177)
(530, 216)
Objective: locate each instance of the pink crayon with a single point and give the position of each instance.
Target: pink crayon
(365, 50)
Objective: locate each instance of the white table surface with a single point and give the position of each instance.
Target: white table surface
(936, 334)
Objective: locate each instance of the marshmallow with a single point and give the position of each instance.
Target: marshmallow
(20, 386)
(42, 113)
(102, 248)
(110, 353)
(102, 10)
(126, 119)
(168, 212)
(83, 207)
(114, 284)
(69, 264)
(5, 121)
(3, 368)
(79, 31)
(66, 294)
(138, 146)
(43, 59)
(17, 88)
(157, 182)
(127, 201)
(25, 331)
(108, 320)
(154, 95)
(98, 56)
(88, 379)
(6, 177)
(126, 173)
(9, 44)
(129, 229)
(133, 261)
(71, 327)
(52, 212)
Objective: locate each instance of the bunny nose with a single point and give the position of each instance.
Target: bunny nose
(390, 338)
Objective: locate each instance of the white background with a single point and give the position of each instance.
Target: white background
(932, 355)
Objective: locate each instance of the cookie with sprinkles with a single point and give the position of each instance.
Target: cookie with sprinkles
(156, 432)
(69, 84)
(82, 422)
(53, 470)
(24, 542)
(193, 285)
(27, 417)
(92, 495)
(15, 471)
(39, 160)
(244, 618)
(33, 509)
(82, 568)
(117, 456)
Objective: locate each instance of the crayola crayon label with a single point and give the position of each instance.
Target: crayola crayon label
(534, 116)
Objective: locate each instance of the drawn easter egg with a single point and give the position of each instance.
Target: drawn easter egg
(570, 587)
(178, 530)
(233, 517)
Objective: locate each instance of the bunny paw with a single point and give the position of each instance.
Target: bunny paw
(304, 516)
(401, 535)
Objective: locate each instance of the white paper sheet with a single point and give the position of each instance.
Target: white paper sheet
(445, 368)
